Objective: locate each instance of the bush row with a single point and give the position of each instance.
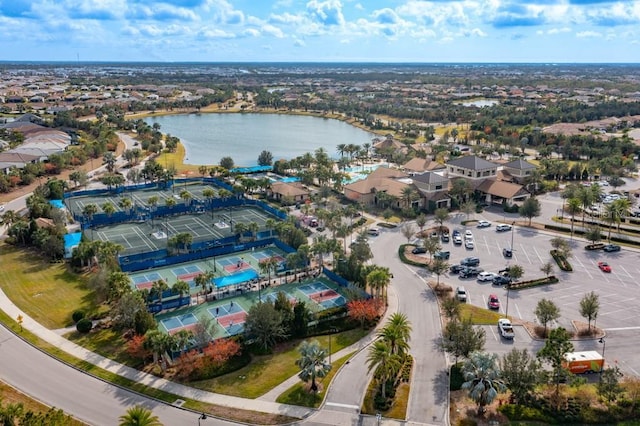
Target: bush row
(405, 259)
(551, 279)
(562, 261)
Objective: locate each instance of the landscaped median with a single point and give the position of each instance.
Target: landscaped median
(551, 279)
(561, 260)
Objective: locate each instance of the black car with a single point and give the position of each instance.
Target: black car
(501, 280)
(470, 271)
(507, 252)
(419, 250)
(611, 248)
(470, 261)
(454, 269)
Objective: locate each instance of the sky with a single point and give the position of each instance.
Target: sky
(538, 31)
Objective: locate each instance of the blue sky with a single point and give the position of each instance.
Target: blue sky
(321, 30)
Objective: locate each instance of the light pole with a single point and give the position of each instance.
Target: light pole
(378, 418)
(202, 417)
(604, 346)
(512, 229)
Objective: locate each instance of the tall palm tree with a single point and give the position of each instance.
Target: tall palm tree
(312, 363)
(181, 287)
(186, 197)
(384, 362)
(158, 287)
(378, 280)
(89, 211)
(139, 416)
(622, 208)
(397, 332)
(482, 378)
(574, 205)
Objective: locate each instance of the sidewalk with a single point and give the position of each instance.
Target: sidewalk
(179, 390)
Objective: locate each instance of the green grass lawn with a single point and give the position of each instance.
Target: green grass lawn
(298, 394)
(266, 372)
(106, 342)
(47, 292)
(479, 316)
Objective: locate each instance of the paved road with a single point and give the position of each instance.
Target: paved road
(85, 397)
(429, 398)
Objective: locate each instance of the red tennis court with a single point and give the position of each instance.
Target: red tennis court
(235, 318)
(321, 296)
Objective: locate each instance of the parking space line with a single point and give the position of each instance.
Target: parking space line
(625, 271)
(486, 244)
(525, 253)
(584, 268)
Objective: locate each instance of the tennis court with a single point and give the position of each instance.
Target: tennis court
(180, 322)
(146, 280)
(265, 254)
(323, 295)
(233, 264)
(230, 316)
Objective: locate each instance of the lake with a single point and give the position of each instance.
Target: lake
(242, 136)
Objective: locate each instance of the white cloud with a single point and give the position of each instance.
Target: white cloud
(588, 34)
(272, 30)
(214, 33)
(328, 12)
(251, 32)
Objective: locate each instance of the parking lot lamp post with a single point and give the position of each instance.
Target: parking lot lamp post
(202, 417)
(604, 346)
(512, 229)
(506, 310)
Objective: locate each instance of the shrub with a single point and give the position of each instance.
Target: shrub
(84, 325)
(456, 380)
(561, 260)
(520, 412)
(77, 316)
(532, 283)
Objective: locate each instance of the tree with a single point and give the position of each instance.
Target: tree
(609, 385)
(139, 416)
(468, 207)
(407, 231)
(265, 158)
(384, 363)
(226, 163)
(451, 308)
(482, 379)
(421, 221)
(546, 311)
(593, 233)
(515, 272)
(547, 269)
(265, 323)
(158, 343)
(439, 267)
(431, 245)
(397, 332)
(561, 245)
(126, 309)
(573, 206)
(364, 310)
(460, 338)
(118, 284)
(553, 351)
(589, 307)
(530, 208)
(181, 287)
(521, 374)
(378, 279)
(440, 216)
(312, 363)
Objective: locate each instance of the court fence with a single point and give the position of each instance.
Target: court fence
(159, 258)
(177, 302)
(142, 213)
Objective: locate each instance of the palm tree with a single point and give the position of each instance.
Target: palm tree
(384, 362)
(158, 343)
(9, 218)
(622, 209)
(209, 194)
(574, 206)
(397, 332)
(253, 228)
(108, 208)
(181, 287)
(312, 363)
(89, 211)
(139, 416)
(378, 280)
(109, 159)
(126, 204)
(159, 287)
(267, 266)
(482, 378)
(186, 197)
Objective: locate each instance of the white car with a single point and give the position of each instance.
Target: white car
(468, 234)
(503, 228)
(461, 294)
(483, 224)
(468, 244)
(486, 276)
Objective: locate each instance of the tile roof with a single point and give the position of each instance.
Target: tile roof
(501, 188)
(430, 177)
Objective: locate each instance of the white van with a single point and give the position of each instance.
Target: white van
(373, 231)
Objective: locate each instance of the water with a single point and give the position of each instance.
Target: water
(209, 137)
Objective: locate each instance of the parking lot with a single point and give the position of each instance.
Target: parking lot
(617, 290)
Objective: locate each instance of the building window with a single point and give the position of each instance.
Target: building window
(438, 187)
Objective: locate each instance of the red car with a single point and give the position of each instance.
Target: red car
(493, 302)
(604, 266)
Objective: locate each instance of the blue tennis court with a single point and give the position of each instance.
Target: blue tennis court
(334, 303)
(178, 322)
(272, 297)
(226, 309)
(233, 260)
(313, 288)
(234, 329)
(261, 255)
(185, 270)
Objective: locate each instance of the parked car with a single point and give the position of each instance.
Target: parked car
(373, 231)
(503, 228)
(483, 224)
(611, 248)
(445, 238)
(461, 294)
(470, 261)
(468, 244)
(455, 269)
(457, 239)
(501, 280)
(486, 276)
(505, 328)
(419, 250)
(493, 302)
(468, 235)
(470, 271)
(442, 255)
(604, 266)
(455, 232)
(507, 252)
